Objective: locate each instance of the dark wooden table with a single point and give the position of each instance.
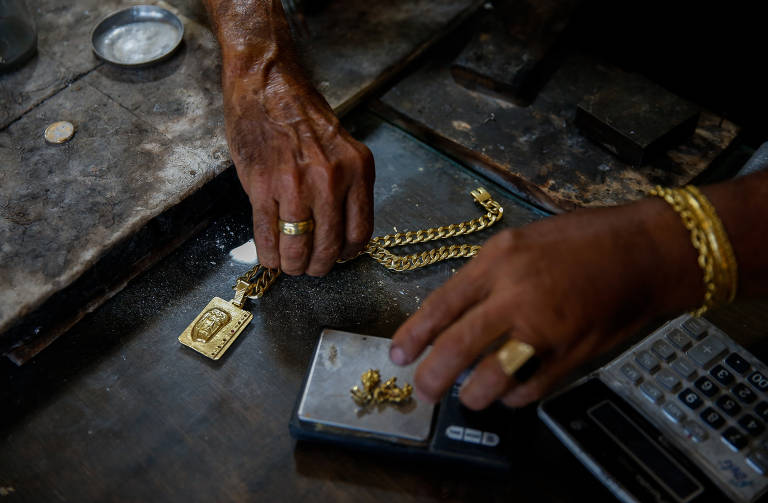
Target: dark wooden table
(117, 410)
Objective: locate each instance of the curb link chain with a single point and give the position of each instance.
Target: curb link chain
(260, 278)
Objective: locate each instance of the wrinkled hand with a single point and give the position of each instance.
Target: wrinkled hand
(296, 162)
(571, 286)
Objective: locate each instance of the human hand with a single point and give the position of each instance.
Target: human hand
(296, 162)
(571, 286)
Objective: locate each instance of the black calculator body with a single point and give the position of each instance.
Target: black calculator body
(679, 417)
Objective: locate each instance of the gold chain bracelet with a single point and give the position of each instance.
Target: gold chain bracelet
(218, 325)
(708, 236)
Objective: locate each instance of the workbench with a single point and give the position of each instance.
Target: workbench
(116, 409)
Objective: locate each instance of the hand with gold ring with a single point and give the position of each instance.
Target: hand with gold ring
(294, 159)
(565, 288)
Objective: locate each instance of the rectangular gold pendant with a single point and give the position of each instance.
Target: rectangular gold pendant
(215, 328)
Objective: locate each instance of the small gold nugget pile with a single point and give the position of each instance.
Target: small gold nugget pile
(374, 391)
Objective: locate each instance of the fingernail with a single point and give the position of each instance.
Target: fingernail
(397, 356)
(466, 382)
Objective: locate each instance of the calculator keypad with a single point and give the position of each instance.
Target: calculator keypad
(707, 392)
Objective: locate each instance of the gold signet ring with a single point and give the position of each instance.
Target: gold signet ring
(296, 228)
(513, 355)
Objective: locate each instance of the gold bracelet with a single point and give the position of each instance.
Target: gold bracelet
(708, 236)
(719, 244)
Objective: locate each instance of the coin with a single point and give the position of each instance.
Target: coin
(59, 132)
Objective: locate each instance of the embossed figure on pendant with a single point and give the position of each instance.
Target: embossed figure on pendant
(209, 324)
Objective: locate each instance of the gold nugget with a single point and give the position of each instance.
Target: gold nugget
(374, 391)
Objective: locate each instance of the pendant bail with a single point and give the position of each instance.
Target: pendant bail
(241, 290)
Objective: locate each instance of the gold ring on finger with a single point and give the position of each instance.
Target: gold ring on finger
(296, 228)
(513, 355)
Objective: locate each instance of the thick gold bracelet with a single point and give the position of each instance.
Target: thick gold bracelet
(708, 236)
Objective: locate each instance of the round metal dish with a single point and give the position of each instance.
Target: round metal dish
(137, 36)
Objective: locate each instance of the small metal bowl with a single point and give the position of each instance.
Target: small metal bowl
(137, 36)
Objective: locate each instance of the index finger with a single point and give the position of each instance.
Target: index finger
(441, 308)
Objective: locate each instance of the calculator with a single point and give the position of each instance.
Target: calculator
(448, 431)
(679, 417)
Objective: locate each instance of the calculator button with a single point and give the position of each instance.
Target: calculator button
(735, 439)
(668, 380)
(684, 367)
(712, 418)
(759, 381)
(737, 363)
(696, 327)
(651, 392)
(751, 424)
(631, 373)
(758, 460)
(695, 430)
(706, 386)
(647, 361)
(673, 411)
(707, 351)
(689, 398)
(743, 393)
(722, 375)
(663, 350)
(728, 405)
(762, 410)
(679, 339)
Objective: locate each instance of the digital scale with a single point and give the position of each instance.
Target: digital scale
(326, 412)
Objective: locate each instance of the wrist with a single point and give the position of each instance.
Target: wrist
(677, 279)
(262, 61)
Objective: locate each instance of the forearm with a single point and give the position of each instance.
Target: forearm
(249, 30)
(258, 54)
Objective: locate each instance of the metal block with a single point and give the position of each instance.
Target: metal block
(636, 119)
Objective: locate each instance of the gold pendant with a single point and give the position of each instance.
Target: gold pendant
(215, 328)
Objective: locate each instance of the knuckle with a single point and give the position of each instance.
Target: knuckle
(294, 254)
(359, 234)
(497, 380)
(290, 182)
(327, 252)
(462, 342)
(365, 156)
(508, 238)
(435, 305)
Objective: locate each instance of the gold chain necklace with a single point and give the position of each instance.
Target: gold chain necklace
(215, 329)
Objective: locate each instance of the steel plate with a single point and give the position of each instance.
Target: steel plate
(137, 36)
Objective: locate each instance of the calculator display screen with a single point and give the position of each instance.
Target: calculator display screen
(645, 451)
